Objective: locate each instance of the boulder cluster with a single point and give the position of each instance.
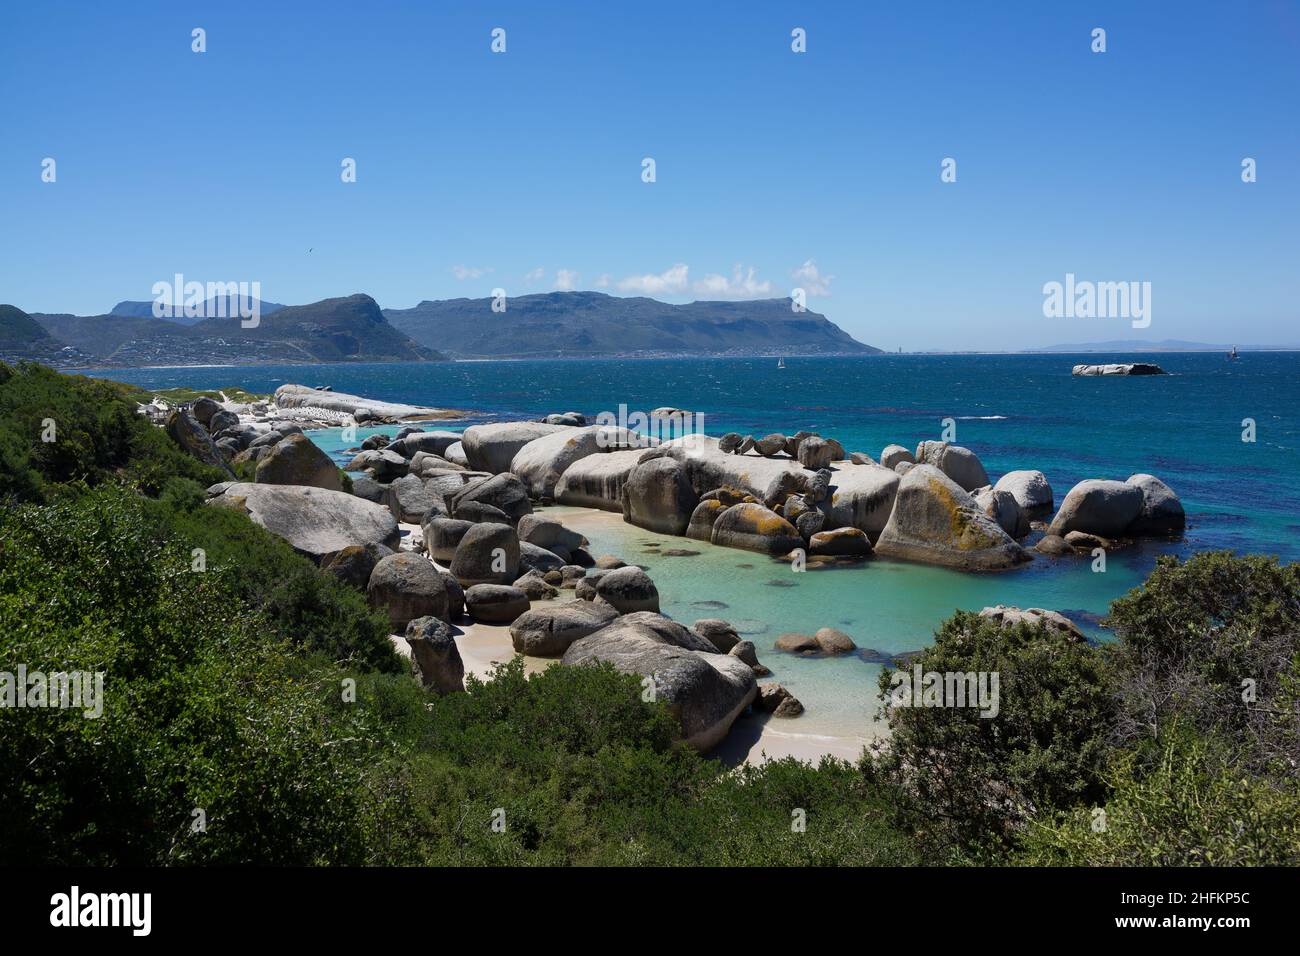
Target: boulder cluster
(484, 554)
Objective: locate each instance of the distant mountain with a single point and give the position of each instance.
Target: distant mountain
(230, 306)
(351, 329)
(24, 338)
(1164, 345)
(574, 324)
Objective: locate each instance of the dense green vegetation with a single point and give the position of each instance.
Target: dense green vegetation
(266, 695)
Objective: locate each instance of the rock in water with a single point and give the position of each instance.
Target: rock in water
(435, 659)
(185, 430)
(407, 586)
(492, 447)
(314, 521)
(1001, 507)
(960, 464)
(704, 692)
(658, 497)
(1099, 506)
(548, 631)
(1131, 368)
(717, 632)
(842, 542)
(776, 700)
(705, 514)
(936, 522)
(487, 554)
(1162, 513)
(495, 603)
(627, 590)
(1030, 489)
(755, 528)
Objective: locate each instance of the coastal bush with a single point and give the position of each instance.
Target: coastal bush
(300, 605)
(1212, 644)
(203, 708)
(95, 436)
(576, 769)
(970, 781)
(1195, 806)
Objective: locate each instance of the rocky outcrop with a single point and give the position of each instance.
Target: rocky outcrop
(1030, 489)
(658, 497)
(548, 631)
(380, 463)
(493, 447)
(892, 455)
(432, 443)
(627, 590)
(487, 554)
(597, 481)
(704, 692)
(960, 464)
(1099, 506)
(1034, 616)
(442, 535)
(354, 564)
(543, 461)
(1131, 368)
(314, 521)
(755, 528)
(435, 659)
(840, 542)
(721, 635)
(935, 521)
(550, 534)
(504, 491)
(495, 603)
(409, 498)
(700, 527)
(185, 430)
(362, 409)
(1001, 506)
(407, 586)
(776, 700)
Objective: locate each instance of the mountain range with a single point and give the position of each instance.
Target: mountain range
(568, 324)
(354, 328)
(1163, 345)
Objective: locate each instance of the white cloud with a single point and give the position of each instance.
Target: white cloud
(468, 272)
(602, 282)
(669, 282)
(743, 284)
(534, 275)
(811, 280)
(566, 280)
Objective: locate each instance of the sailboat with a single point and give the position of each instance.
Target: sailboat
(780, 363)
(1233, 356)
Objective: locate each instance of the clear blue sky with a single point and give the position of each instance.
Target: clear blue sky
(225, 165)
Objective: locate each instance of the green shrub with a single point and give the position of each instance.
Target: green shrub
(204, 708)
(971, 779)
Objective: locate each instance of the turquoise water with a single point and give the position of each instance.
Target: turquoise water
(1015, 411)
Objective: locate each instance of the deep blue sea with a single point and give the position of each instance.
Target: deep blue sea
(1015, 411)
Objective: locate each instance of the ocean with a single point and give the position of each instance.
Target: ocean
(1015, 411)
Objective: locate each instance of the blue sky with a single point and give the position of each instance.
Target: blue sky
(225, 166)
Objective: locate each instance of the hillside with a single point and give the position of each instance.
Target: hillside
(144, 310)
(564, 324)
(22, 337)
(332, 330)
